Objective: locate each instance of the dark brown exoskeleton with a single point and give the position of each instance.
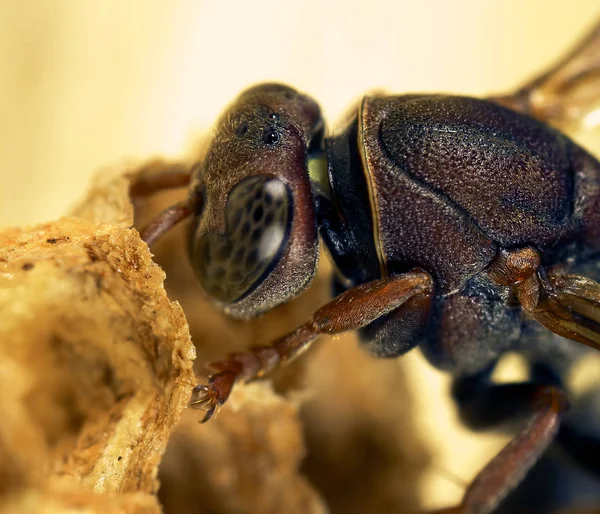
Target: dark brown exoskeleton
(459, 225)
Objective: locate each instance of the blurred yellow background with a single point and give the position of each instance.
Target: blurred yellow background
(86, 83)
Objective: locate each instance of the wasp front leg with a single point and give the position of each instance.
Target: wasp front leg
(158, 176)
(352, 310)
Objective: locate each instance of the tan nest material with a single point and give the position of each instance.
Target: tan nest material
(95, 363)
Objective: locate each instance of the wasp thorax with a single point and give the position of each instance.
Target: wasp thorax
(258, 217)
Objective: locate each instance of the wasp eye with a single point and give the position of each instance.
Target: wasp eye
(270, 136)
(258, 215)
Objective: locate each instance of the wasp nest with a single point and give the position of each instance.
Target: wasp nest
(95, 363)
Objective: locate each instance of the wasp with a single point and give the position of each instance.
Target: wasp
(467, 227)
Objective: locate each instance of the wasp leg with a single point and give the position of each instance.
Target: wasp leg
(568, 305)
(565, 92)
(165, 221)
(351, 310)
(579, 435)
(398, 332)
(159, 176)
(483, 404)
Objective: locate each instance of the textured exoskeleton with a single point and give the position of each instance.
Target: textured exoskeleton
(447, 184)
(464, 226)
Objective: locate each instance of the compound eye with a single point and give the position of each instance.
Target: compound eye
(258, 214)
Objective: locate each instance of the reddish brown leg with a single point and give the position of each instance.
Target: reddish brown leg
(568, 305)
(541, 407)
(352, 310)
(165, 221)
(160, 176)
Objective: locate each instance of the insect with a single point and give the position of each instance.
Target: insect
(467, 227)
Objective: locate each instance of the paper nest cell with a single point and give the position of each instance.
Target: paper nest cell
(95, 366)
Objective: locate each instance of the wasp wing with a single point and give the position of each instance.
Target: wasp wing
(566, 93)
